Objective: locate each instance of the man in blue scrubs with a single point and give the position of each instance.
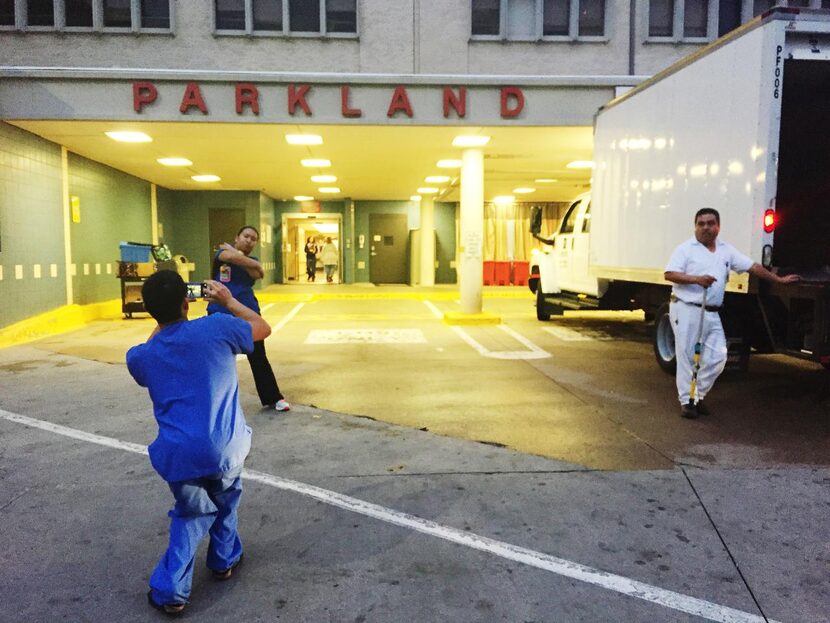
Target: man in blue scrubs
(189, 368)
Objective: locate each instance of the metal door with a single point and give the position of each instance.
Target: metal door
(388, 237)
(223, 224)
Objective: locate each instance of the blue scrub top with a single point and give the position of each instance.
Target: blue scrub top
(189, 368)
(237, 280)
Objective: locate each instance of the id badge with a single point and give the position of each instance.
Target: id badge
(225, 273)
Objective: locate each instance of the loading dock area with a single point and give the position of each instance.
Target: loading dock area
(720, 517)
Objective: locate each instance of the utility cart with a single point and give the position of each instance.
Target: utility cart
(139, 261)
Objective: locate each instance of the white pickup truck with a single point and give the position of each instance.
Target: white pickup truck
(741, 126)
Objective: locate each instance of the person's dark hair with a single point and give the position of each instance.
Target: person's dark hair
(712, 211)
(256, 231)
(163, 293)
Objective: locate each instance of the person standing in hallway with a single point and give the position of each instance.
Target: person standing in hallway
(310, 258)
(189, 368)
(236, 268)
(699, 269)
(330, 258)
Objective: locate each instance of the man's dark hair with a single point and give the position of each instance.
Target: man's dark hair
(163, 293)
(712, 211)
(241, 229)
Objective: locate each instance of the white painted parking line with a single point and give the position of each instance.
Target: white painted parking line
(287, 318)
(366, 336)
(571, 335)
(533, 352)
(539, 560)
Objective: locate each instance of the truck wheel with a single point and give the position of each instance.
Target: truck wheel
(541, 311)
(664, 340)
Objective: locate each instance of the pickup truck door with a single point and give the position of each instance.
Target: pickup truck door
(563, 248)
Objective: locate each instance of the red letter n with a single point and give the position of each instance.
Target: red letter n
(143, 93)
(246, 93)
(459, 103)
(297, 97)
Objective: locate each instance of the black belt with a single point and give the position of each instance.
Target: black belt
(713, 308)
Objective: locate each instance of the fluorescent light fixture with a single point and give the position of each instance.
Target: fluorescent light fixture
(545, 180)
(205, 178)
(174, 162)
(326, 228)
(316, 162)
(303, 198)
(304, 139)
(437, 179)
(470, 141)
(332, 190)
(448, 164)
(503, 200)
(415, 198)
(323, 179)
(581, 164)
(524, 191)
(427, 190)
(129, 137)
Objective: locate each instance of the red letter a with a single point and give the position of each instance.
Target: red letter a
(193, 99)
(400, 101)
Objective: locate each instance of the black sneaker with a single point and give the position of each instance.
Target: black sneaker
(702, 409)
(688, 411)
(227, 573)
(171, 609)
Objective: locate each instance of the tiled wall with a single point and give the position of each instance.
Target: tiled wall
(32, 277)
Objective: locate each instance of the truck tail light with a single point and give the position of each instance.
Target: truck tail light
(769, 221)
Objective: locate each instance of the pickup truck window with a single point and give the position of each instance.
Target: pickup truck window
(570, 219)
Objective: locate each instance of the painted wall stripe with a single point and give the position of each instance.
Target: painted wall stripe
(539, 560)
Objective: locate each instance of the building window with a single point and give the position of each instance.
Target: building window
(86, 15)
(532, 20)
(286, 17)
(701, 20)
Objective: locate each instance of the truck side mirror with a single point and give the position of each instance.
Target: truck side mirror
(536, 220)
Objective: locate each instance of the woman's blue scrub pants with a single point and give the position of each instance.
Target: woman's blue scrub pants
(203, 506)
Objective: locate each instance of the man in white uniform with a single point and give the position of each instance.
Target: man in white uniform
(703, 263)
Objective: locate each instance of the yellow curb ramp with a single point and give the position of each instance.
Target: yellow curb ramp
(460, 318)
(59, 320)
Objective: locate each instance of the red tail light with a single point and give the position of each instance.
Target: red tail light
(769, 221)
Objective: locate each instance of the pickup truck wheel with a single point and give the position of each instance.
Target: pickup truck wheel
(541, 313)
(533, 282)
(664, 340)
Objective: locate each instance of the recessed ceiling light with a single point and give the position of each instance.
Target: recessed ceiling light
(316, 162)
(524, 191)
(503, 200)
(545, 180)
(415, 198)
(303, 198)
(174, 162)
(426, 190)
(304, 139)
(332, 190)
(470, 141)
(437, 179)
(581, 164)
(448, 164)
(205, 178)
(129, 137)
(323, 179)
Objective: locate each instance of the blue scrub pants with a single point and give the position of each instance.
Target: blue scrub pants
(203, 506)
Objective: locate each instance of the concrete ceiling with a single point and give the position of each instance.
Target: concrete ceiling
(370, 162)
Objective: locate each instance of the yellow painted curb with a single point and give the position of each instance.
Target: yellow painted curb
(451, 295)
(59, 320)
(459, 318)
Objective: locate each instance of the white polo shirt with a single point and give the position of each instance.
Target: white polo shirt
(693, 258)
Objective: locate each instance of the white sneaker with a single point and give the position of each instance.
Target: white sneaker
(282, 405)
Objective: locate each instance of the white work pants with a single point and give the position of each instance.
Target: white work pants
(685, 321)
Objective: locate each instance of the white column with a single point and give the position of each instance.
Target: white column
(472, 229)
(67, 221)
(427, 241)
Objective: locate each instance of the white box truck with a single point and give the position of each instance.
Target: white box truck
(742, 126)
